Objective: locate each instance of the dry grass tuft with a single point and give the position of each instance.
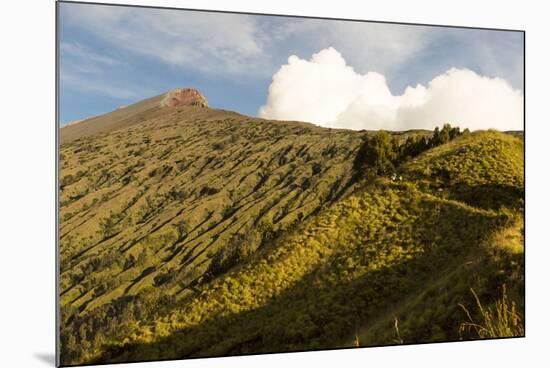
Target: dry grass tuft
(502, 321)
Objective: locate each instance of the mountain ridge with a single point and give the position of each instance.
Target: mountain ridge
(125, 116)
(191, 231)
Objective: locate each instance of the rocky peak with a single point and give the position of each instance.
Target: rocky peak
(184, 97)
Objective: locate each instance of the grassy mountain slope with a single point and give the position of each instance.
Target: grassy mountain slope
(223, 234)
(165, 197)
(486, 172)
(151, 210)
(389, 250)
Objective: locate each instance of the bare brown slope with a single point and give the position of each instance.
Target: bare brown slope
(117, 119)
(133, 114)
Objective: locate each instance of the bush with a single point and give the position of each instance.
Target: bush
(206, 190)
(228, 211)
(377, 154)
(236, 250)
(108, 225)
(162, 278)
(381, 154)
(266, 230)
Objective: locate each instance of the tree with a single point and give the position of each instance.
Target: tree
(266, 230)
(436, 138)
(237, 249)
(228, 211)
(445, 134)
(377, 155)
(129, 262)
(412, 147)
(381, 153)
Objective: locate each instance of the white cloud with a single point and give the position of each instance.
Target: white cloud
(78, 59)
(223, 43)
(83, 69)
(203, 41)
(326, 91)
(233, 46)
(369, 46)
(83, 53)
(379, 47)
(77, 82)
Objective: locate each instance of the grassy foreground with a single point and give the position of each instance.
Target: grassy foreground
(203, 233)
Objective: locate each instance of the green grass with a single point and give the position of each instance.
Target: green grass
(205, 235)
(484, 169)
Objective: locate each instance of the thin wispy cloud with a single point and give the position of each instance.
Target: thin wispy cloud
(75, 82)
(84, 69)
(203, 41)
(85, 54)
(110, 52)
(368, 46)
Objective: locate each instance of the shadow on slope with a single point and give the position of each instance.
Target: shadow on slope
(489, 196)
(416, 242)
(483, 169)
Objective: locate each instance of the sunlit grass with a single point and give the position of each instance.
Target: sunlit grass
(500, 320)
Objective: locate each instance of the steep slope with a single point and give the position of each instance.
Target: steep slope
(347, 269)
(484, 169)
(152, 209)
(127, 116)
(168, 194)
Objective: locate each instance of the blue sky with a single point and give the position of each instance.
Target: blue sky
(112, 56)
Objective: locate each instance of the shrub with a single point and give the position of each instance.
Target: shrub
(316, 168)
(228, 211)
(377, 154)
(266, 230)
(162, 278)
(381, 154)
(236, 250)
(107, 226)
(206, 190)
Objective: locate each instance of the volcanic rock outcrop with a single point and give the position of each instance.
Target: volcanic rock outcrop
(184, 97)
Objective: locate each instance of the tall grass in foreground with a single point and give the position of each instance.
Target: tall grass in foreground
(502, 321)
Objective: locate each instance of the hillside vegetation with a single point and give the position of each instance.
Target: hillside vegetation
(201, 232)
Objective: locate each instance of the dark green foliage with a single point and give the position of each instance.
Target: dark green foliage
(175, 194)
(206, 190)
(129, 262)
(71, 179)
(228, 211)
(316, 168)
(381, 154)
(236, 251)
(377, 155)
(66, 180)
(80, 332)
(218, 146)
(108, 225)
(182, 229)
(161, 172)
(163, 278)
(413, 146)
(266, 230)
(446, 134)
